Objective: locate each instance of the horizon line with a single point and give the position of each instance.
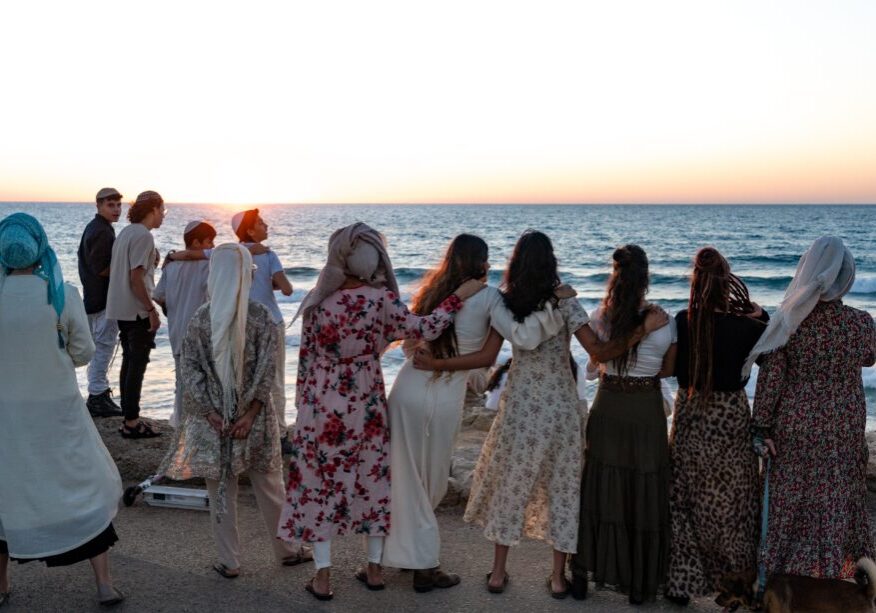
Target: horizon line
(607, 204)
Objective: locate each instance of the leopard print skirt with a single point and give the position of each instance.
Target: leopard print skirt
(714, 495)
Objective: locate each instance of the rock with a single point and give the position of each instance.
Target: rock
(465, 457)
(136, 458)
(476, 417)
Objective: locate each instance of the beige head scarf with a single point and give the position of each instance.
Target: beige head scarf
(228, 286)
(825, 272)
(359, 251)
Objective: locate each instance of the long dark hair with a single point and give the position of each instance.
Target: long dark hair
(465, 259)
(713, 288)
(496, 377)
(622, 304)
(531, 277)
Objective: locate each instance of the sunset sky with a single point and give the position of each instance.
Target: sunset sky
(468, 101)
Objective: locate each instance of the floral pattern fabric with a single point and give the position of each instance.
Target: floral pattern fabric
(339, 477)
(195, 450)
(810, 398)
(528, 477)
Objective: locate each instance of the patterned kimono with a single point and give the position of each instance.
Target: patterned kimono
(339, 477)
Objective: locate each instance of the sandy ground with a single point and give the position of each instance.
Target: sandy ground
(163, 558)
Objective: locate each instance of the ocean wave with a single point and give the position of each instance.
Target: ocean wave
(869, 377)
(866, 285)
(301, 271)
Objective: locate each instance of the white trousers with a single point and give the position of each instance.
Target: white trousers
(322, 551)
(269, 494)
(278, 391)
(105, 333)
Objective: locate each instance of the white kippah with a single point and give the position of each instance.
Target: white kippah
(192, 225)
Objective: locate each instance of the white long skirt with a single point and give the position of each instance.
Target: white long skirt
(424, 417)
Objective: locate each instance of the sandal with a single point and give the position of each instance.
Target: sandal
(362, 575)
(429, 579)
(142, 430)
(562, 593)
(305, 554)
(4, 597)
(225, 571)
(318, 595)
(108, 596)
(497, 590)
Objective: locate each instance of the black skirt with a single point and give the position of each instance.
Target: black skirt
(96, 546)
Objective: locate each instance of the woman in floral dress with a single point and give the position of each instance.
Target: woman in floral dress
(810, 409)
(339, 477)
(527, 479)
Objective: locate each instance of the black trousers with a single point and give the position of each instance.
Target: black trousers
(137, 342)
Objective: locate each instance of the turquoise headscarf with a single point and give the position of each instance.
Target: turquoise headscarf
(23, 243)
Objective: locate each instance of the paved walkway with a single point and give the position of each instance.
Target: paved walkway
(162, 563)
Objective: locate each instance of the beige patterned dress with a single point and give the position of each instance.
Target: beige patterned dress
(195, 451)
(528, 477)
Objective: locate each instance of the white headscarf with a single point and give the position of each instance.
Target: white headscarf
(357, 250)
(826, 272)
(228, 286)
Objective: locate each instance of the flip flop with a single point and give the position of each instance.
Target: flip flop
(497, 590)
(305, 554)
(224, 571)
(110, 597)
(318, 595)
(362, 575)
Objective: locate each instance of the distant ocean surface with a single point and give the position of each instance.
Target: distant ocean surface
(762, 243)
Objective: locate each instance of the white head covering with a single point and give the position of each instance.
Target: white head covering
(359, 251)
(826, 272)
(228, 286)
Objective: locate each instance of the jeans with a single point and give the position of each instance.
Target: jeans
(105, 333)
(137, 342)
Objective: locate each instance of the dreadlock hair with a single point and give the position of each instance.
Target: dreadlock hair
(626, 290)
(466, 258)
(713, 289)
(531, 276)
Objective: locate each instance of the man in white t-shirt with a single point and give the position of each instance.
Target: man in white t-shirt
(269, 275)
(181, 290)
(129, 301)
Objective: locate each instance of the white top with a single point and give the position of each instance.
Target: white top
(59, 487)
(183, 288)
(262, 290)
(134, 247)
(649, 359)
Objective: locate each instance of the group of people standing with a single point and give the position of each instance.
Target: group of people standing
(619, 500)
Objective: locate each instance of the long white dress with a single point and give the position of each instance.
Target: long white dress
(425, 412)
(59, 487)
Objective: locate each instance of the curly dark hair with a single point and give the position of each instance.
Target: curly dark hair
(622, 304)
(531, 277)
(146, 202)
(465, 259)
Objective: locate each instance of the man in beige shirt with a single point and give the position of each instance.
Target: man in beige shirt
(129, 301)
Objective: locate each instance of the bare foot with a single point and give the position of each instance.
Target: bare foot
(497, 579)
(322, 581)
(375, 573)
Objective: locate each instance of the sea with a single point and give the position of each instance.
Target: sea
(762, 243)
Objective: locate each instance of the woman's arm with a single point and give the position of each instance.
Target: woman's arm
(606, 351)
(194, 365)
(400, 324)
(486, 356)
(770, 389)
(668, 368)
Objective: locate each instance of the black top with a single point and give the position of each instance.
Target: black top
(95, 253)
(735, 335)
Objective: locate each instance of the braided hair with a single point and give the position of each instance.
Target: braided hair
(713, 289)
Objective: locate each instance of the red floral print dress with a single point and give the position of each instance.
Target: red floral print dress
(339, 479)
(810, 399)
